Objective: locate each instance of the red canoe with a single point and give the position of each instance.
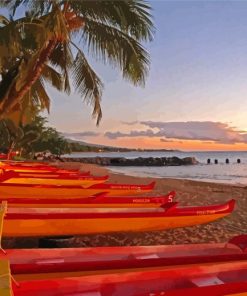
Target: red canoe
(41, 263)
(32, 168)
(60, 179)
(197, 279)
(101, 200)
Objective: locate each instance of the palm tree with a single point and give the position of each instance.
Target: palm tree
(13, 136)
(50, 42)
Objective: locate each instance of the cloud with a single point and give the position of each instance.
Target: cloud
(81, 134)
(133, 134)
(191, 130)
(129, 123)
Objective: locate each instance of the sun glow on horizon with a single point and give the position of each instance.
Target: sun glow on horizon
(174, 144)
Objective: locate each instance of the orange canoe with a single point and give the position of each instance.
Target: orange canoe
(40, 223)
(61, 191)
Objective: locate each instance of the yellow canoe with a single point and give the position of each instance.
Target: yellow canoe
(70, 223)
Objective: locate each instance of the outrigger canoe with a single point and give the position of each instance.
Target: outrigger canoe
(21, 224)
(215, 279)
(51, 263)
(25, 163)
(16, 178)
(36, 170)
(56, 174)
(31, 168)
(100, 200)
(61, 191)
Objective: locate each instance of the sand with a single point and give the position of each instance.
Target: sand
(187, 193)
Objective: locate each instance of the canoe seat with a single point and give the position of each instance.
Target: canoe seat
(206, 281)
(95, 293)
(49, 261)
(147, 256)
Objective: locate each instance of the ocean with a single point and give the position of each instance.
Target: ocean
(233, 173)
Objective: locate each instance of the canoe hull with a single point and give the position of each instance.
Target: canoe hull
(78, 205)
(41, 191)
(99, 201)
(37, 263)
(50, 181)
(219, 279)
(58, 227)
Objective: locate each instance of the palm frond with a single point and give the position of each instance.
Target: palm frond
(117, 48)
(10, 45)
(40, 95)
(53, 77)
(133, 17)
(3, 20)
(111, 30)
(19, 38)
(32, 5)
(62, 58)
(8, 77)
(25, 111)
(88, 84)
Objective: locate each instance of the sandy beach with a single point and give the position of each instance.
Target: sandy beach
(187, 193)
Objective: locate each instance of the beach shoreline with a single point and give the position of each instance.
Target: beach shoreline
(188, 193)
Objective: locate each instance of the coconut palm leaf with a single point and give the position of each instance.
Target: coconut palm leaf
(10, 45)
(39, 93)
(3, 20)
(133, 17)
(109, 30)
(33, 5)
(53, 77)
(88, 84)
(116, 47)
(62, 58)
(30, 69)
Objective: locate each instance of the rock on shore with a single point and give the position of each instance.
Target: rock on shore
(140, 161)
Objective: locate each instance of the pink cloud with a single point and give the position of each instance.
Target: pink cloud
(191, 130)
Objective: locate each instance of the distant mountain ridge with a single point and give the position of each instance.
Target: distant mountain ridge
(78, 145)
(86, 144)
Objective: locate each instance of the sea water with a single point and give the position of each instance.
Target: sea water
(234, 173)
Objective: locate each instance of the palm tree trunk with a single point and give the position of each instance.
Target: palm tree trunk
(15, 96)
(12, 146)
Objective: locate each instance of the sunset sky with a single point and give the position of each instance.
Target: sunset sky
(195, 96)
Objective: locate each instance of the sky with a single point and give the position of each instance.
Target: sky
(195, 97)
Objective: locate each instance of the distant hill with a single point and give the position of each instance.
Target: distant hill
(81, 146)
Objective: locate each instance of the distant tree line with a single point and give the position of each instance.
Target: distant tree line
(31, 138)
(36, 137)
